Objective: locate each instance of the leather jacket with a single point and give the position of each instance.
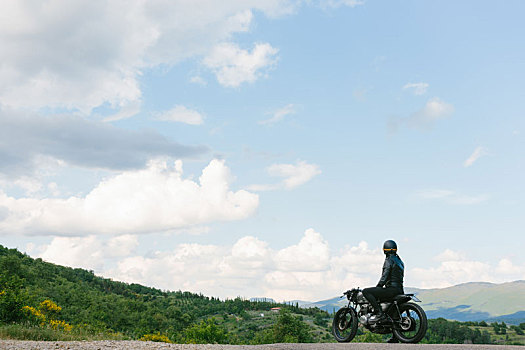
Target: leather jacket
(393, 271)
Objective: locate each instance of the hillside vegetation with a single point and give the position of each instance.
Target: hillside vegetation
(32, 290)
(43, 301)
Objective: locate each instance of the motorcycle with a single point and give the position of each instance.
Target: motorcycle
(405, 319)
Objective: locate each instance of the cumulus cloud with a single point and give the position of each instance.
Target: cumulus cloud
(293, 175)
(307, 270)
(452, 197)
(234, 66)
(434, 110)
(279, 115)
(153, 199)
(417, 88)
(29, 140)
(311, 254)
(88, 252)
(84, 54)
(182, 114)
(478, 153)
(455, 267)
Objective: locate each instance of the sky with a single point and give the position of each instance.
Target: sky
(265, 148)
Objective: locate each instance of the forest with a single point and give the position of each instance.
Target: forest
(44, 301)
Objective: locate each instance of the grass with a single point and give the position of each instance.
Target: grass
(27, 332)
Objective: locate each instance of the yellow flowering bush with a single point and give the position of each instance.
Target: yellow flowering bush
(157, 337)
(34, 315)
(44, 315)
(2, 293)
(60, 325)
(49, 308)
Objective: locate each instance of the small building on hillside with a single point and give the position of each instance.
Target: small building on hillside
(275, 309)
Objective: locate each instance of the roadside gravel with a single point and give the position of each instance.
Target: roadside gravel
(139, 345)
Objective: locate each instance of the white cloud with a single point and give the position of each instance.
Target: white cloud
(125, 111)
(250, 267)
(478, 152)
(183, 115)
(294, 175)
(234, 66)
(87, 252)
(311, 254)
(417, 88)
(452, 197)
(455, 267)
(434, 110)
(279, 115)
(84, 54)
(154, 199)
(308, 270)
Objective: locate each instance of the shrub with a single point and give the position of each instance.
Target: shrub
(206, 332)
(291, 329)
(156, 337)
(45, 315)
(34, 316)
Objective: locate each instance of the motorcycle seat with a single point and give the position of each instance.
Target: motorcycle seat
(402, 298)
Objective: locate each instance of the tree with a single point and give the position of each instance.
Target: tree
(206, 332)
(12, 297)
(291, 329)
(517, 329)
(320, 320)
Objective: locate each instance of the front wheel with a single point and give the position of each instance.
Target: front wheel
(412, 326)
(344, 325)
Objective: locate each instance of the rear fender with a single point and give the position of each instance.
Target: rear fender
(403, 299)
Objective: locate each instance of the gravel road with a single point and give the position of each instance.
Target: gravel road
(139, 345)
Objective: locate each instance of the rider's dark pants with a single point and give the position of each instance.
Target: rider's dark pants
(377, 294)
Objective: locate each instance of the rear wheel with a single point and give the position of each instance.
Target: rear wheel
(344, 325)
(412, 326)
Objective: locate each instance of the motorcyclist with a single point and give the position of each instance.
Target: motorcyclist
(390, 284)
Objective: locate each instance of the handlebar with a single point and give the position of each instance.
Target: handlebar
(349, 292)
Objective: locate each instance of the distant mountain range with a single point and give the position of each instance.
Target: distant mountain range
(474, 301)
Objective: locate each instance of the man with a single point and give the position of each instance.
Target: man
(390, 284)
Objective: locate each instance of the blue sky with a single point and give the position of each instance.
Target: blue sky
(265, 148)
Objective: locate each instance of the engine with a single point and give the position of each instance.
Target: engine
(364, 314)
(366, 311)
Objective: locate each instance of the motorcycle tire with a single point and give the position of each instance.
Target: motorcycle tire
(344, 325)
(413, 325)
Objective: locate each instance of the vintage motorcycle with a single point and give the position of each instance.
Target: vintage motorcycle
(406, 320)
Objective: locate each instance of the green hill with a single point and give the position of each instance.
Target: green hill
(473, 301)
(103, 305)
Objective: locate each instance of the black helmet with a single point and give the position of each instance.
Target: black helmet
(389, 247)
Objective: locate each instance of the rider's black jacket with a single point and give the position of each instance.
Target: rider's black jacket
(393, 271)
